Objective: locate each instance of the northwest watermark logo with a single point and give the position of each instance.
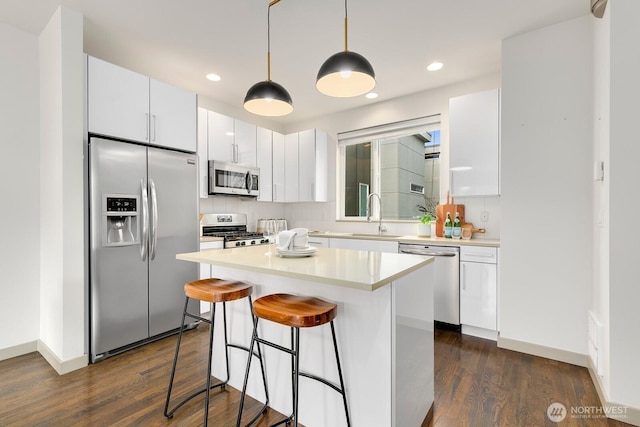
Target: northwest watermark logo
(557, 412)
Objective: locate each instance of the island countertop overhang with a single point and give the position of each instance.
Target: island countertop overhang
(364, 270)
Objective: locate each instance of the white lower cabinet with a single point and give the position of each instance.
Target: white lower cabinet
(319, 242)
(364, 245)
(205, 269)
(478, 291)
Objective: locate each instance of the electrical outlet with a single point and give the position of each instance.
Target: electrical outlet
(484, 216)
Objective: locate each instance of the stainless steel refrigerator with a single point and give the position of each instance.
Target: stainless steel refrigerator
(143, 209)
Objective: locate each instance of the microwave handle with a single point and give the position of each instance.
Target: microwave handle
(248, 181)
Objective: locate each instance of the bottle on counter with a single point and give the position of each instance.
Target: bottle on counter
(456, 230)
(448, 226)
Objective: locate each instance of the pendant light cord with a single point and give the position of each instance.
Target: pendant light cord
(269, 43)
(346, 27)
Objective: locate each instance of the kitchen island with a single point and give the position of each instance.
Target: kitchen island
(384, 328)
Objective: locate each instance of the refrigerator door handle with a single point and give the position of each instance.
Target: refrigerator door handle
(154, 219)
(145, 221)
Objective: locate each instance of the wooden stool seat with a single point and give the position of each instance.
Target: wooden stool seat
(217, 290)
(294, 310)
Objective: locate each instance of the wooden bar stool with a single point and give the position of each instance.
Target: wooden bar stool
(213, 291)
(296, 312)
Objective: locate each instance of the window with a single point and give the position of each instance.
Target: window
(399, 161)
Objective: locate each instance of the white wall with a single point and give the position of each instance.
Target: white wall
(600, 226)
(624, 152)
(546, 204)
(61, 184)
(19, 188)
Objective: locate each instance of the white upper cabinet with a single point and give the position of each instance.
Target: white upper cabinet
(278, 167)
(203, 154)
(173, 116)
(265, 163)
(221, 137)
(312, 158)
(231, 140)
(245, 140)
(291, 168)
(474, 144)
(118, 101)
(124, 104)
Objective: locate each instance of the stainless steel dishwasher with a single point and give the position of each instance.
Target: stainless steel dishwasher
(446, 289)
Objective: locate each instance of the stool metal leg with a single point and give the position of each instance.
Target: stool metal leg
(210, 360)
(342, 389)
(175, 361)
(208, 386)
(254, 337)
(296, 371)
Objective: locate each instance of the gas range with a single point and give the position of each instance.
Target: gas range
(232, 228)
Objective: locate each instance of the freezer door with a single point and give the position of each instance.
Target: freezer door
(173, 199)
(118, 273)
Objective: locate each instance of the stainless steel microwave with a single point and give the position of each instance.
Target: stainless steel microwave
(233, 179)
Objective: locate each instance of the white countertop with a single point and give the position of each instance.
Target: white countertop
(410, 239)
(363, 270)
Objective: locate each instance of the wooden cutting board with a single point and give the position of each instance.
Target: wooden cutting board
(441, 214)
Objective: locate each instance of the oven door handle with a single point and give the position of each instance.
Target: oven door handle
(427, 252)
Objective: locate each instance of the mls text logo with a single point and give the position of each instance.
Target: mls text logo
(556, 412)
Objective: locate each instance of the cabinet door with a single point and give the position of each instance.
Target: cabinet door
(474, 144)
(319, 242)
(173, 117)
(278, 172)
(245, 140)
(264, 162)
(203, 154)
(117, 101)
(364, 245)
(478, 295)
(291, 167)
(221, 137)
(307, 165)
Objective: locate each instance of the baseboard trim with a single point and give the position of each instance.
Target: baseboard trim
(60, 366)
(544, 351)
(18, 350)
(631, 415)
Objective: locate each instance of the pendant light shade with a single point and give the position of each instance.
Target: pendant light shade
(346, 74)
(268, 98)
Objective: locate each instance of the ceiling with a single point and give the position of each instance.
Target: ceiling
(179, 42)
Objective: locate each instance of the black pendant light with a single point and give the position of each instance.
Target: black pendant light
(268, 98)
(346, 74)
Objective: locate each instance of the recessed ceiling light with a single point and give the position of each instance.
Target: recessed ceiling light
(371, 95)
(213, 77)
(434, 66)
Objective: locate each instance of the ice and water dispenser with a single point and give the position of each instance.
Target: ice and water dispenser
(121, 224)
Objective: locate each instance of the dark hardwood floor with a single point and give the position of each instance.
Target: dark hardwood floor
(476, 384)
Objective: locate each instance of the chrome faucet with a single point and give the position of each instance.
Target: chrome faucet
(381, 228)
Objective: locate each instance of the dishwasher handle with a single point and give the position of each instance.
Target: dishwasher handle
(427, 252)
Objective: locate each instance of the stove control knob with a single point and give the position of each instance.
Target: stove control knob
(253, 242)
(243, 243)
(237, 243)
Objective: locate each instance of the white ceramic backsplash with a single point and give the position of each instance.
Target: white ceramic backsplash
(321, 216)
